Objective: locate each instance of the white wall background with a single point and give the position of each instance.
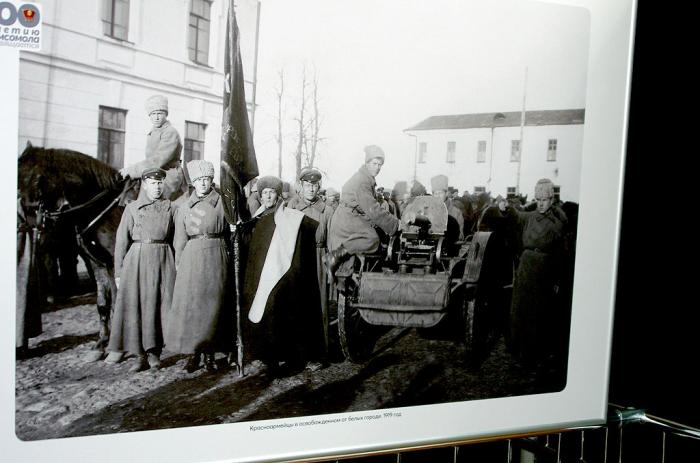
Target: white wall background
(79, 69)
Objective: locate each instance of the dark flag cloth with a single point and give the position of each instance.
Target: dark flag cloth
(238, 162)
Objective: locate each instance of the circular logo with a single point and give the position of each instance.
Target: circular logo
(28, 15)
(8, 14)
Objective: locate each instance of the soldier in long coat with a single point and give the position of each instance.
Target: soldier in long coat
(200, 322)
(455, 223)
(144, 268)
(359, 216)
(536, 310)
(163, 150)
(332, 198)
(253, 199)
(281, 303)
(310, 203)
(399, 195)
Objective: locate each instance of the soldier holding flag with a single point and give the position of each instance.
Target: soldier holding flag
(280, 297)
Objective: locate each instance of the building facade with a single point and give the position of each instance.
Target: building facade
(101, 59)
(491, 152)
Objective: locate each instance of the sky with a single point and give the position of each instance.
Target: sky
(385, 65)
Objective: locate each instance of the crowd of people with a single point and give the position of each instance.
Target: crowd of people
(173, 259)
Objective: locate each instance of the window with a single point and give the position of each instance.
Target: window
(422, 151)
(110, 137)
(510, 192)
(198, 38)
(451, 148)
(479, 189)
(194, 141)
(481, 151)
(557, 193)
(115, 18)
(514, 150)
(552, 150)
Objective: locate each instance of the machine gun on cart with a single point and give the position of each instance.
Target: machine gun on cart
(420, 278)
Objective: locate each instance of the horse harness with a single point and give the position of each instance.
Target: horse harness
(42, 216)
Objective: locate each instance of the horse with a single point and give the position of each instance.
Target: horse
(71, 199)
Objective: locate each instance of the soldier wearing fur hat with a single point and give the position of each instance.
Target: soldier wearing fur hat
(144, 269)
(200, 322)
(310, 203)
(455, 223)
(332, 198)
(538, 319)
(287, 193)
(400, 194)
(359, 216)
(270, 192)
(163, 149)
(253, 199)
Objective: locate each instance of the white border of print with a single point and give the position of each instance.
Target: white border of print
(583, 402)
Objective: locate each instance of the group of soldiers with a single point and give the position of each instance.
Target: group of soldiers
(279, 298)
(172, 257)
(538, 236)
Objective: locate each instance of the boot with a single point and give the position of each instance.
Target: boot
(232, 359)
(210, 362)
(192, 364)
(114, 357)
(140, 365)
(153, 360)
(333, 259)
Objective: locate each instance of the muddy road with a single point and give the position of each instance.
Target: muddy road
(59, 394)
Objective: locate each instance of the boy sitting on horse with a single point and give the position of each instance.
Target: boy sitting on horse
(163, 149)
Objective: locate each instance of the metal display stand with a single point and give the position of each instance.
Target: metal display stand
(630, 435)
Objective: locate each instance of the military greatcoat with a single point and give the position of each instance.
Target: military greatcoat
(456, 221)
(163, 149)
(535, 307)
(359, 213)
(145, 264)
(200, 319)
(320, 212)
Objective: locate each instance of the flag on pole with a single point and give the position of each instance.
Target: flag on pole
(238, 162)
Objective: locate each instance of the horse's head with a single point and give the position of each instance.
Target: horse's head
(52, 180)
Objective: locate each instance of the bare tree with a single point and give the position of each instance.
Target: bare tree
(308, 122)
(314, 138)
(301, 123)
(279, 92)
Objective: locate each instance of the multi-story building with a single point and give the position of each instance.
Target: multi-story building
(493, 152)
(85, 90)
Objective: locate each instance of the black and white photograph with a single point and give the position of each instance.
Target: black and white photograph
(274, 220)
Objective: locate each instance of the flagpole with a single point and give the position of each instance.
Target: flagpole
(237, 273)
(236, 235)
(522, 127)
(238, 162)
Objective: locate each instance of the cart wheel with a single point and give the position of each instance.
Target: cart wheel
(474, 331)
(356, 335)
(468, 310)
